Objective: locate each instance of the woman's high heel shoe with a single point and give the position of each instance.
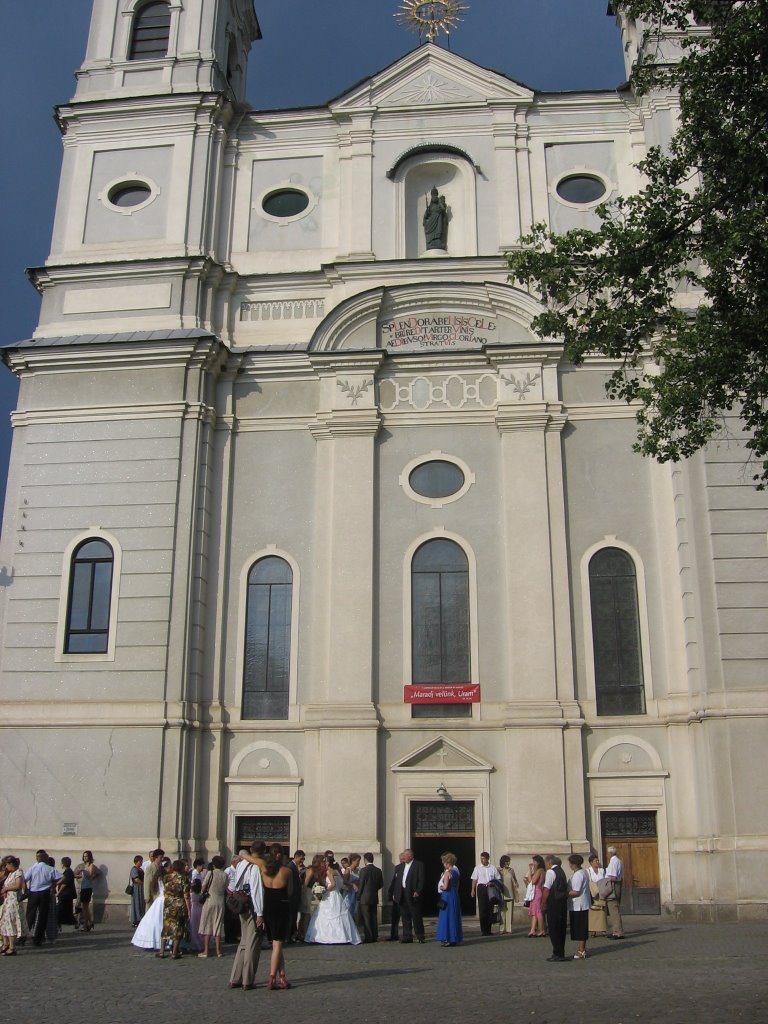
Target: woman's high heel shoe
(271, 982)
(283, 983)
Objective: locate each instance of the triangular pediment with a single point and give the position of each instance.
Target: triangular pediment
(432, 77)
(442, 755)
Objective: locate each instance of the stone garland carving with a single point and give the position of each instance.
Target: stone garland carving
(521, 386)
(355, 391)
(289, 309)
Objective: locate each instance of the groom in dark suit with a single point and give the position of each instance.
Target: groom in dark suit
(407, 886)
(370, 882)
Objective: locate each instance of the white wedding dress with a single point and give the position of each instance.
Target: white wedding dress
(148, 934)
(332, 924)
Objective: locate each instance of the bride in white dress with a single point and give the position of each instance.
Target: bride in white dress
(332, 924)
(148, 934)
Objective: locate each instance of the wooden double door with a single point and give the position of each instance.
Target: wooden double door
(633, 833)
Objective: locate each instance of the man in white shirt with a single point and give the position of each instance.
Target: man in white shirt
(484, 875)
(615, 874)
(248, 952)
(39, 878)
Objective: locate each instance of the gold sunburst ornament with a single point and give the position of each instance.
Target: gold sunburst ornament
(430, 17)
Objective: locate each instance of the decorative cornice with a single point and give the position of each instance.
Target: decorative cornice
(346, 423)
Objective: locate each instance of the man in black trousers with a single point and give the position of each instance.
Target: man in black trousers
(370, 883)
(555, 906)
(39, 878)
(407, 886)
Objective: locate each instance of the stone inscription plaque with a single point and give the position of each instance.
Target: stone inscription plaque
(430, 332)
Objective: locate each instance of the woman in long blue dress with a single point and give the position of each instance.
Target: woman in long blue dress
(449, 930)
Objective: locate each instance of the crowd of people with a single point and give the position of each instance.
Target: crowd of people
(39, 901)
(265, 899)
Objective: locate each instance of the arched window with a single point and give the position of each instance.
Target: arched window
(619, 685)
(151, 31)
(90, 598)
(440, 613)
(266, 672)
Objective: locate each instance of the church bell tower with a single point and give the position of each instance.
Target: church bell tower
(148, 166)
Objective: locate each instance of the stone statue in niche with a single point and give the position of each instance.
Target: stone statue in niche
(436, 222)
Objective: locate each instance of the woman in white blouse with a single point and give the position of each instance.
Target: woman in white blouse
(579, 902)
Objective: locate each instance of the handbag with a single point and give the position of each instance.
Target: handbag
(205, 894)
(530, 895)
(604, 888)
(441, 904)
(238, 901)
(129, 889)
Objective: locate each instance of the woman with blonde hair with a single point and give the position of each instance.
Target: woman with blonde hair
(449, 927)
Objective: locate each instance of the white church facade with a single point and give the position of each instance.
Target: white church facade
(307, 536)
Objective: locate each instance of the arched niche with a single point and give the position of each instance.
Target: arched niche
(454, 177)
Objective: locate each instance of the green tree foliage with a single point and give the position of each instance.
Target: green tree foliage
(679, 272)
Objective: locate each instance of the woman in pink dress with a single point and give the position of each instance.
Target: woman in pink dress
(535, 877)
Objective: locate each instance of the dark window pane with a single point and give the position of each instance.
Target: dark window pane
(93, 549)
(151, 32)
(616, 634)
(80, 602)
(441, 710)
(90, 596)
(288, 202)
(440, 556)
(102, 586)
(436, 479)
(580, 188)
(271, 570)
(87, 643)
(425, 601)
(130, 195)
(440, 614)
(257, 638)
(455, 627)
(268, 640)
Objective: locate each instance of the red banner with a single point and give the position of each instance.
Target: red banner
(461, 693)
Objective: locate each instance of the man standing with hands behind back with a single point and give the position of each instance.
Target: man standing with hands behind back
(370, 882)
(615, 874)
(407, 886)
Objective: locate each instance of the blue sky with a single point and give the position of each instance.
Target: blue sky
(312, 50)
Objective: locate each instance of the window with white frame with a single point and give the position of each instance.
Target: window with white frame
(90, 598)
(616, 635)
(267, 660)
(150, 32)
(440, 630)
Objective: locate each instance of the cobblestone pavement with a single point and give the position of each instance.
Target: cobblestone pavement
(663, 971)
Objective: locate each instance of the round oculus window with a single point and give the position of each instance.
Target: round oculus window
(129, 194)
(285, 202)
(581, 189)
(437, 479)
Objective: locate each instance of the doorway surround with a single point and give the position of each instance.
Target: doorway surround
(442, 764)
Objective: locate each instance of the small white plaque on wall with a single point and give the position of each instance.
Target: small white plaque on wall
(113, 300)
